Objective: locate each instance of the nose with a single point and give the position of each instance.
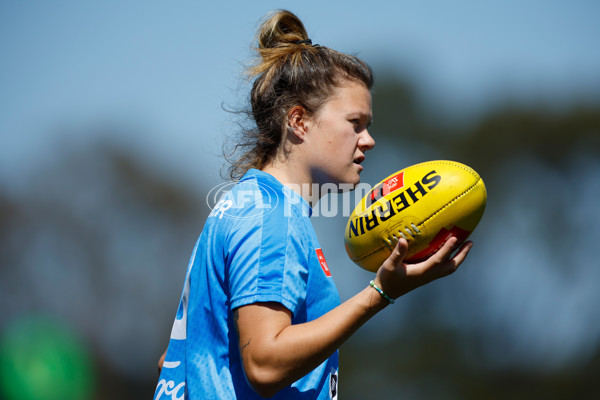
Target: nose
(366, 141)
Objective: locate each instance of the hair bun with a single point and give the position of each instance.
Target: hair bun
(281, 28)
(305, 41)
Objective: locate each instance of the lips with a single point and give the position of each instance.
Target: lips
(359, 159)
(357, 162)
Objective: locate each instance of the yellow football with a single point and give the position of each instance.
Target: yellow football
(425, 203)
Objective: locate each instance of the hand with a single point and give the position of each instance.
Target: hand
(395, 277)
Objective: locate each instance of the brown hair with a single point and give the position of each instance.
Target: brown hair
(289, 72)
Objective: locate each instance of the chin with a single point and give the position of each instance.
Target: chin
(350, 183)
(342, 182)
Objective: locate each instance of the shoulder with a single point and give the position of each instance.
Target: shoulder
(260, 196)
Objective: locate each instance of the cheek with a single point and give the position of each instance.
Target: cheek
(343, 136)
(349, 141)
(338, 138)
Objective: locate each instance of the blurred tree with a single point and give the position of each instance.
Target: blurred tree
(552, 136)
(539, 165)
(101, 238)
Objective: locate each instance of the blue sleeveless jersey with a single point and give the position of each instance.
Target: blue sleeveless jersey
(258, 245)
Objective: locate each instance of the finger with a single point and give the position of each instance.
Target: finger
(460, 256)
(450, 266)
(444, 253)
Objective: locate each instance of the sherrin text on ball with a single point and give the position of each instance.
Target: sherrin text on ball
(425, 203)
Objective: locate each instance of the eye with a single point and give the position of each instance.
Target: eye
(360, 122)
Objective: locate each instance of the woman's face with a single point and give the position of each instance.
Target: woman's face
(338, 138)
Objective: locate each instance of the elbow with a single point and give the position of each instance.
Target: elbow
(161, 361)
(265, 381)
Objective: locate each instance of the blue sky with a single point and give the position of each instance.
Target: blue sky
(165, 67)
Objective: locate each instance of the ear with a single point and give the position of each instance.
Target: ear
(297, 122)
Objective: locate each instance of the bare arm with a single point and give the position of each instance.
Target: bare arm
(161, 361)
(276, 353)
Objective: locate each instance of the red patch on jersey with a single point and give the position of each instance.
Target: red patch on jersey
(322, 261)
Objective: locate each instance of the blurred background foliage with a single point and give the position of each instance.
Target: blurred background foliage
(98, 240)
(525, 280)
(96, 228)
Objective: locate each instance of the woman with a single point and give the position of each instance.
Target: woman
(260, 315)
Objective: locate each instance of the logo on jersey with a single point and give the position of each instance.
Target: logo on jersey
(252, 200)
(169, 389)
(333, 384)
(322, 261)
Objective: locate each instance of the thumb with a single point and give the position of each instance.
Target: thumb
(399, 251)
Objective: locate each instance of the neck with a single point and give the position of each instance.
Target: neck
(295, 178)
